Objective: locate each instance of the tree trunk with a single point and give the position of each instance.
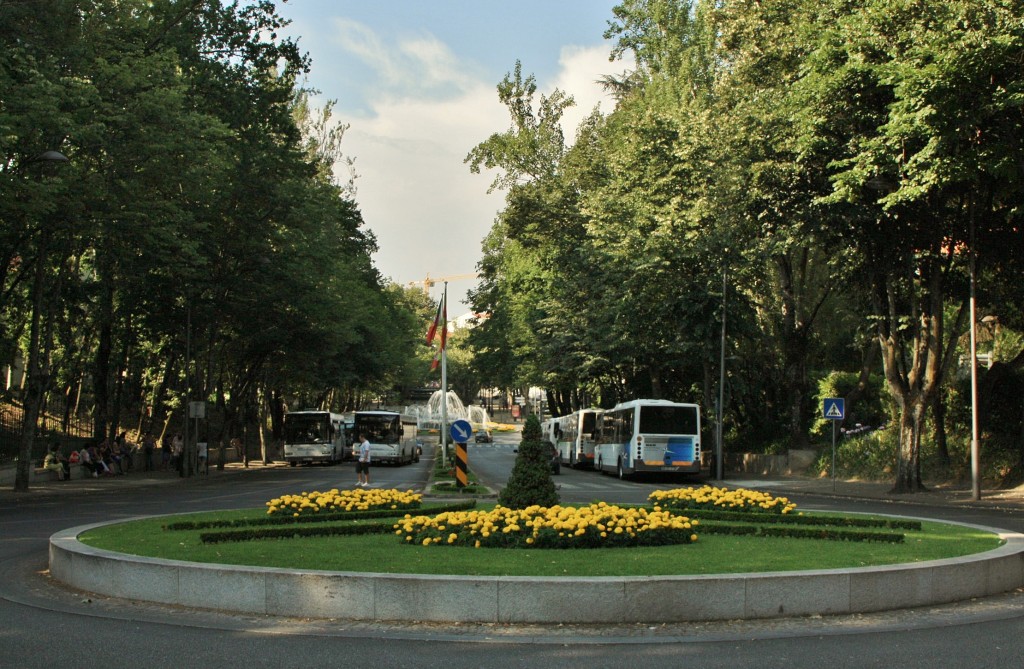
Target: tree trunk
(913, 362)
(796, 392)
(101, 365)
(277, 415)
(261, 424)
(939, 433)
(908, 467)
(36, 382)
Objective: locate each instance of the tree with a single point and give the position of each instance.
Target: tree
(530, 481)
(922, 150)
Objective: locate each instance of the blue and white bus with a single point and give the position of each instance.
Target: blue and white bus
(392, 436)
(649, 436)
(573, 435)
(314, 436)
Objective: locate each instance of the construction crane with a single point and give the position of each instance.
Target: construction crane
(428, 282)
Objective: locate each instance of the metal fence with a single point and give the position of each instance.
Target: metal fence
(51, 427)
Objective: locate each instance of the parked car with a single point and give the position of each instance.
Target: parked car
(484, 438)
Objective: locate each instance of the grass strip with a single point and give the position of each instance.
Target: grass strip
(386, 553)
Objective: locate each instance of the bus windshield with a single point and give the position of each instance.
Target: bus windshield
(378, 429)
(306, 429)
(668, 420)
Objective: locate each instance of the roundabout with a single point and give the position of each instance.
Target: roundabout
(978, 632)
(361, 596)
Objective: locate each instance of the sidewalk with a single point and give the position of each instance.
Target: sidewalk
(133, 479)
(938, 494)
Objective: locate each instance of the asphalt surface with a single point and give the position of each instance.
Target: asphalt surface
(40, 616)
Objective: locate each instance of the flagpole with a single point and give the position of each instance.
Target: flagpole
(444, 376)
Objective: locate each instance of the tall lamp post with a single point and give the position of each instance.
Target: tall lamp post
(36, 383)
(719, 464)
(975, 447)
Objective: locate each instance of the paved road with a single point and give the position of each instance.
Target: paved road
(45, 625)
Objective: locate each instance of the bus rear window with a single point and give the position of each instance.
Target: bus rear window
(668, 420)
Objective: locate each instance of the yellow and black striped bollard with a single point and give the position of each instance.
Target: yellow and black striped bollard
(461, 466)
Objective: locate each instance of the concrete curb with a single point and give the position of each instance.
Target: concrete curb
(499, 599)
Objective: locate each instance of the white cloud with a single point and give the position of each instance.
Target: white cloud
(420, 63)
(429, 213)
(580, 71)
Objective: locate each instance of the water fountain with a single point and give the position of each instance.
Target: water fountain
(429, 415)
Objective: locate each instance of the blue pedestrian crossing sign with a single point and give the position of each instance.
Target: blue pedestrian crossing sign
(834, 408)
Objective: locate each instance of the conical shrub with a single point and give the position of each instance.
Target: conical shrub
(530, 482)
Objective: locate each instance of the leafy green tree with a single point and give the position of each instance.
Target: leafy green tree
(922, 150)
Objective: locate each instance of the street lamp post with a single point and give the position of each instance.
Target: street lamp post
(975, 447)
(36, 385)
(719, 464)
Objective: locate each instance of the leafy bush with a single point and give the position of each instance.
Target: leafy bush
(869, 456)
(530, 482)
(872, 409)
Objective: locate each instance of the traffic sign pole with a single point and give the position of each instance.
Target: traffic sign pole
(834, 409)
(833, 456)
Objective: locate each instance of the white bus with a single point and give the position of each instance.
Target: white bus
(573, 436)
(314, 436)
(392, 436)
(649, 436)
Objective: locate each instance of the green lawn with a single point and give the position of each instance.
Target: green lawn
(711, 554)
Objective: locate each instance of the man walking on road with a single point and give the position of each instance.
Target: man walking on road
(363, 464)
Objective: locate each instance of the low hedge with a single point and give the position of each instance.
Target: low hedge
(789, 519)
(296, 532)
(318, 518)
(801, 533)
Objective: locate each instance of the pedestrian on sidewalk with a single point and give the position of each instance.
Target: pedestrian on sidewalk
(148, 446)
(178, 453)
(363, 464)
(165, 452)
(56, 462)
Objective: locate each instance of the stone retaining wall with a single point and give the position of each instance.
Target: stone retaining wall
(499, 599)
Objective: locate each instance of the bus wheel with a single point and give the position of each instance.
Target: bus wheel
(621, 473)
(292, 463)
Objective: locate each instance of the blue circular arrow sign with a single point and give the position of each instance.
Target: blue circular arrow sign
(461, 431)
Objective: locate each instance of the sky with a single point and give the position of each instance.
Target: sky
(417, 83)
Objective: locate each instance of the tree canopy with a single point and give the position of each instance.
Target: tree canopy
(838, 165)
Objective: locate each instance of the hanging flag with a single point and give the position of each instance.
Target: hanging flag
(433, 327)
(442, 324)
(444, 318)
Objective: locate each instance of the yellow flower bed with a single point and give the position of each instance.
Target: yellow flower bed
(722, 499)
(339, 501)
(595, 526)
